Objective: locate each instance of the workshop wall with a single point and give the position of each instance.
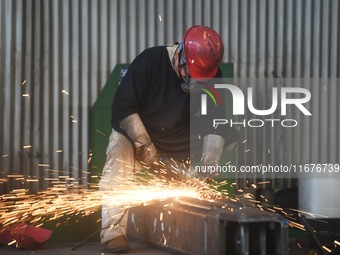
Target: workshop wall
(56, 56)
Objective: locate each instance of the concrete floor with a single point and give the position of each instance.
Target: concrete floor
(85, 249)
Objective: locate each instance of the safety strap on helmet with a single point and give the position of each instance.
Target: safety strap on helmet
(182, 65)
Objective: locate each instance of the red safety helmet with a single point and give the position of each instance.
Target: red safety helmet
(203, 49)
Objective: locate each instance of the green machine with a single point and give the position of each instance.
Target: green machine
(101, 115)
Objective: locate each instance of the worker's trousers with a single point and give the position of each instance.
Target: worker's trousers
(120, 164)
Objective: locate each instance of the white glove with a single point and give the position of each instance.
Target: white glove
(146, 151)
(147, 154)
(212, 149)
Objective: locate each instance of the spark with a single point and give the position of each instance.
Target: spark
(262, 183)
(51, 179)
(65, 92)
(32, 180)
(13, 242)
(164, 239)
(247, 150)
(44, 165)
(160, 18)
(254, 201)
(296, 225)
(26, 95)
(70, 199)
(244, 141)
(60, 200)
(314, 215)
(100, 132)
(73, 119)
(23, 83)
(14, 176)
(326, 249)
(58, 151)
(5, 155)
(27, 146)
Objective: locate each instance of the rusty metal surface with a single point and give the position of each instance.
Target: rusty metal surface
(189, 226)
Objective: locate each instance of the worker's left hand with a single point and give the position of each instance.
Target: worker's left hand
(147, 154)
(212, 149)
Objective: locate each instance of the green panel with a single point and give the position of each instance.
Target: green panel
(101, 118)
(228, 73)
(227, 70)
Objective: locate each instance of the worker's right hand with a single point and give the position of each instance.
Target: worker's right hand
(145, 150)
(147, 154)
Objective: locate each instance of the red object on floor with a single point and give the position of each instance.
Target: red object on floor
(27, 237)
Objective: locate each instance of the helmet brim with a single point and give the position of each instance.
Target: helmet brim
(202, 76)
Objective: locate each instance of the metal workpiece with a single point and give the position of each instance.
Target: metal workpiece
(191, 226)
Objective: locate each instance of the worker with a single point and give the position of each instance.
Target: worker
(151, 117)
